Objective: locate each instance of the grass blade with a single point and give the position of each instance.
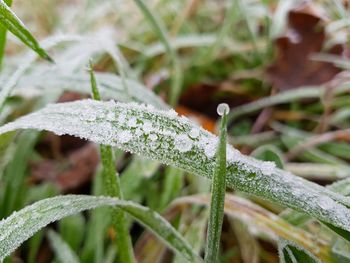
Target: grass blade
(218, 189)
(159, 28)
(264, 221)
(291, 253)
(163, 136)
(113, 188)
(25, 65)
(110, 86)
(62, 250)
(3, 32)
(21, 225)
(11, 22)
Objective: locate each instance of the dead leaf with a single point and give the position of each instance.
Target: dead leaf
(70, 173)
(305, 36)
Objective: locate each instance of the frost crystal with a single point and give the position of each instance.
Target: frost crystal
(183, 143)
(110, 116)
(124, 136)
(132, 122)
(147, 127)
(153, 137)
(194, 133)
(325, 202)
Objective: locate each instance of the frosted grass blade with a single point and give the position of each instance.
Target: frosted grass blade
(159, 28)
(62, 250)
(21, 225)
(11, 22)
(291, 253)
(218, 188)
(110, 86)
(264, 221)
(170, 139)
(26, 63)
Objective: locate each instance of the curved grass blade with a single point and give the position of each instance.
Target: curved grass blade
(3, 33)
(291, 253)
(12, 23)
(218, 188)
(110, 86)
(163, 136)
(21, 225)
(62, 250)
(113, 188)
(26, 63)
(264, 221)
(287, 96)
(159, 28)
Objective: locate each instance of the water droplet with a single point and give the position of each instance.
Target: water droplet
(222, 109)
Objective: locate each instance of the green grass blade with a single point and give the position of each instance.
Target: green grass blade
(3, 32)
(62, 250)
(113, 188)
(164, 136)
(21, 225)
(218, 189)
(291, 253)
(159, 29)
(11, 22)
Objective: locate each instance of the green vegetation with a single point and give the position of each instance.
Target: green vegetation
(89, 155)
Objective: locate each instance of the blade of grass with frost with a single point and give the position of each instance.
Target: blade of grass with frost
(113, 188)
(230, 18)
(287, 96)
(292, 253)
(26, 64)
(110, 85)
(117, 56)
(218, 189)
(11, 22)
(159, 28)
(163, 136)
(264, 221)
(21, 225)
(3, 32)
(62, 250)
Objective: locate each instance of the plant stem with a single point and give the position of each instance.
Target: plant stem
(217, 197)
(3, 32)
(112, 187)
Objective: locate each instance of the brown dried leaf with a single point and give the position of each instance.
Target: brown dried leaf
(305, 36)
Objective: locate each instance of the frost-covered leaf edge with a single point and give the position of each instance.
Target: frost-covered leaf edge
(21, 225)
(174, 140)
(285, 246)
